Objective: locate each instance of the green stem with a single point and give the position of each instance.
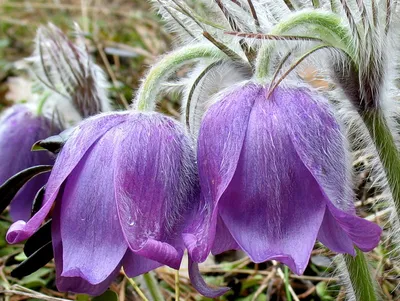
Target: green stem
(387, 151)
(152, 286)
(177, 286)
(326, 26)
(41, 104)
(286, 273)
(360, 277)
(147, 95)
(135, 287)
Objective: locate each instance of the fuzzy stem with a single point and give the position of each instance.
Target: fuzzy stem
(360, 277)
(152, 286)
(387, 151)
(147, 94)
(326, 26)
(42, 101)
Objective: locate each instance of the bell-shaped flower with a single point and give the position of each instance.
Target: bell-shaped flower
(122, 185)
(20, 128)
(274, 173)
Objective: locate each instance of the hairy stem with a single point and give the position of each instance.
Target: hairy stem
(360, 277)
(387, 151)
(147, 94)
(327, 27)
(41, 104)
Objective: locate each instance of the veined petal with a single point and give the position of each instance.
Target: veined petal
(73, 151)
(318, 141)
(221, 139)
(153, 185)
(273, 206)
(320, 144)
(92, 241)
(220, 142)
(74, 284)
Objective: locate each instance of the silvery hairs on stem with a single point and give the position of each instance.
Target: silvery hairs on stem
(66, 70)
(372, 89)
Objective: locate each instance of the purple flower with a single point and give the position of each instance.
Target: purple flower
(20, 128)
(122, 184)
(275, 178)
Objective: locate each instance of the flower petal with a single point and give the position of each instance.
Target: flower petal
(364, 234)
(19, 130)
(89, 222)
(199, 233)
(319, 142)
(220, 141)
(153, 184)
(135, 265)
(21, 206)
(223, 239)
(334, 237)
(273, 206)
(73, 151)
(199, 283)
(74, 284)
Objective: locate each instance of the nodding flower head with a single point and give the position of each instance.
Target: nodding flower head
(20, 128)
(123, 184)
(274, 179)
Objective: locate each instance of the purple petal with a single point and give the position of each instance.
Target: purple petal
(200, 230)
(199, 283)
(135, 265)
(220, 141)
(88, 218)
(273, 206)
(153, 181)
(364, 234)
(318, 141)
(19, 130)
(75, 148)
(74, 284)
(223, 239)
(21, 206)
(334, 237)
(321, 146)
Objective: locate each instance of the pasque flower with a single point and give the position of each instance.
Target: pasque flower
(121, 184)
(274, 178)
(20, 128)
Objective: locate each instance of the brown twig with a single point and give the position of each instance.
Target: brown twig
(264, 285)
